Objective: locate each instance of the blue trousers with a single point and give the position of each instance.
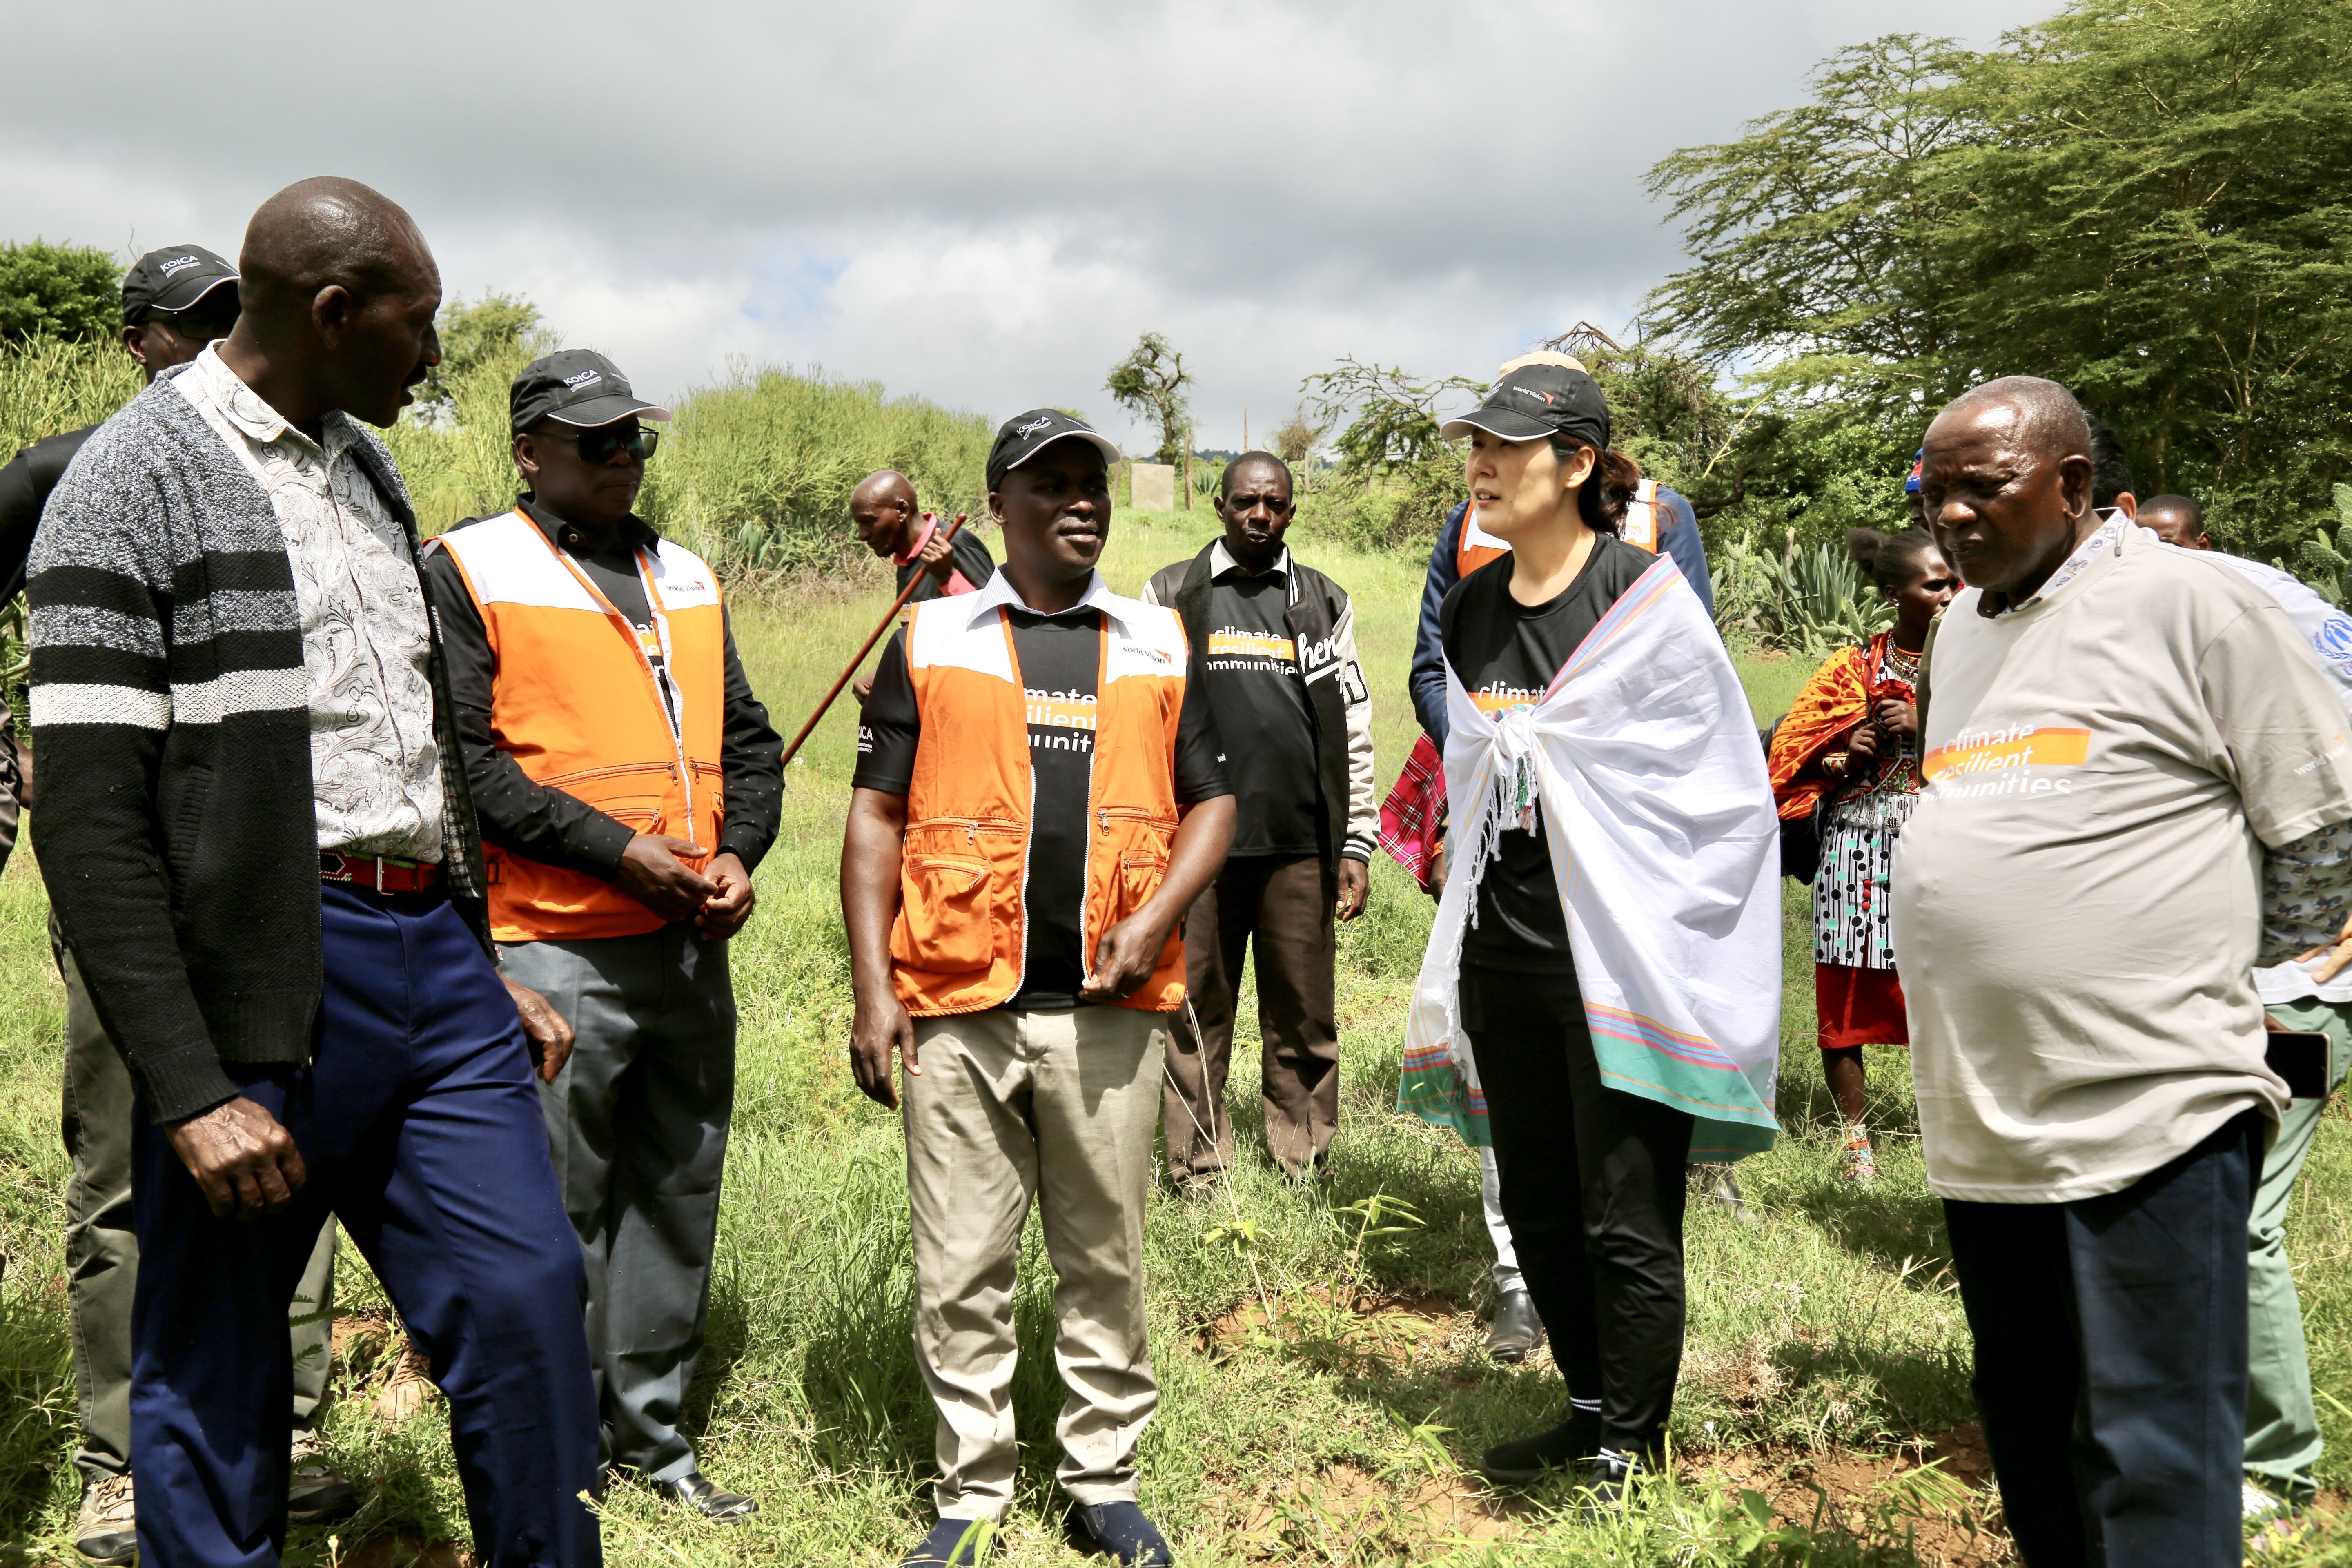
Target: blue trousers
(2111, 1359)
(421, 1130)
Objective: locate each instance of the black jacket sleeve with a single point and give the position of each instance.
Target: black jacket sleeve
(24, 487)
(751, 758)
(517, 815)
(1427, 680)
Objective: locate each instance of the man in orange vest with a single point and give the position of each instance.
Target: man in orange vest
(628, 783)
(1039, 797)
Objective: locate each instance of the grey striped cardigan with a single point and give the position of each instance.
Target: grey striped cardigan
(175, 823)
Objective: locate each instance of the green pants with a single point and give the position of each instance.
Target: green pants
(102, 1249)
(2281, 1426)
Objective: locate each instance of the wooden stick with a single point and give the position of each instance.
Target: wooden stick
(905, 594)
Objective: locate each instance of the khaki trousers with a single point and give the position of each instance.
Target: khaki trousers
(1281, 907)
(1057, 1108)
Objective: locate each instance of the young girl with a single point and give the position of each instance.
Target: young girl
(1604, 968)
(1848, 751)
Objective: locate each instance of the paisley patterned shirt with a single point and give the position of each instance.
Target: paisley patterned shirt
(375, 770)
(2306, 891)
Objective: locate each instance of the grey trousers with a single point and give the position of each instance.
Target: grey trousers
(102, 1249)
(2283, 1442)
(637, 1124)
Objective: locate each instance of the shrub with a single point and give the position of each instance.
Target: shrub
(68, 291)
(776, 452)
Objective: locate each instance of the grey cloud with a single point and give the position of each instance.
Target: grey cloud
(1285, 181)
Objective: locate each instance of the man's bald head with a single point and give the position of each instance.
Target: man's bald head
(883, 509)
(2006, 479)
(886, 485)
(2049, 421)
(329, 231)
(340, 292)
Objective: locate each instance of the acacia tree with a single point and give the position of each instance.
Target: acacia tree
(1149, 383)
(2157, 215)
(2142, 200)
(1812, 237)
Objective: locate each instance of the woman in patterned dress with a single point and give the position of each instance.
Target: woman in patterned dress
(1847, 756)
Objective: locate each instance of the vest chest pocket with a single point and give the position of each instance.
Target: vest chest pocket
(943, 926)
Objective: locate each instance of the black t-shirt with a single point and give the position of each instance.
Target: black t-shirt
(970, 560)
(1258, 695)
(1059, 658)
(1506, 654)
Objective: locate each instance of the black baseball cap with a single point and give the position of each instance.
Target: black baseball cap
(171, 279)
(1024, 435)
(578, 386)
(1539, 401)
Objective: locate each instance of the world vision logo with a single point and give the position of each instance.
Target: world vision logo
(2016, 747)
(1231, 644)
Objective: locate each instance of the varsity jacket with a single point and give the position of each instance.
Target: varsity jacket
(1322, 623)
(1673, 531)
(177, 831)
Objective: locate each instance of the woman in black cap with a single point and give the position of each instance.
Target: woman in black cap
(1609, 956)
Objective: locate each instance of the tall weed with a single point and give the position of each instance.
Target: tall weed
(47, 387)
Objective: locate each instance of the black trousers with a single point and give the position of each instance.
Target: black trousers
(2111, 1359)
(1592, 1184)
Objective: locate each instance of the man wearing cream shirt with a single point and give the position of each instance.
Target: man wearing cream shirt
(2113, 732)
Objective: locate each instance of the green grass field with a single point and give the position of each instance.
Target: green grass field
(1324, 1389)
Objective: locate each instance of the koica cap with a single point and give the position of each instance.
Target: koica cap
(578, 386)
(171, 279)
(1537, 402)
(1024, 435)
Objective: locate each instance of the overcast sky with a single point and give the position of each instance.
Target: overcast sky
(982, 204)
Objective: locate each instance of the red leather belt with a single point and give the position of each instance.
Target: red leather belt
(377, 875)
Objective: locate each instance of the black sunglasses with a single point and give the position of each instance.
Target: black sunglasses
(598, 446)
(199, 323)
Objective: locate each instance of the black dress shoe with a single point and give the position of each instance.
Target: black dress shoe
(694, 1491)
(1517, 1329)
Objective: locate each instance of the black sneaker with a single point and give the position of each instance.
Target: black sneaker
(1609, 1483)
(952, 1543)
(1126, 1537)
(1526, 1461)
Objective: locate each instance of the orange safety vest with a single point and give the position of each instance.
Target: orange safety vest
(1477, 546)
(575, 704)
(960, 939)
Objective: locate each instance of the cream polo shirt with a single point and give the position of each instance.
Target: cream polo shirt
(2076, 911)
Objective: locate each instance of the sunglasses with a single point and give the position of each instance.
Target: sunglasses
(199, 323)
(599, 445)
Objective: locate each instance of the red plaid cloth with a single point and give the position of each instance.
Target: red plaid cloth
(1413, 816)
